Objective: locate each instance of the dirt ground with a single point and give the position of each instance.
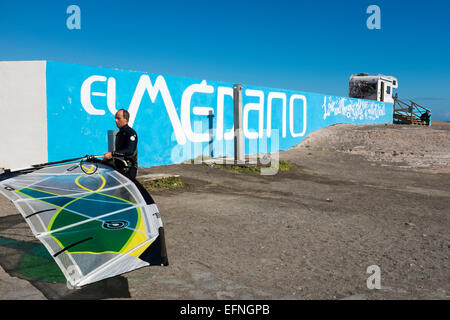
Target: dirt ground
(356, 196)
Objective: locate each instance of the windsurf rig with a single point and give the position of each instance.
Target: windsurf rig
(94, 221)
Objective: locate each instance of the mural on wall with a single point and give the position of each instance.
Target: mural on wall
(353, 109)
(178, 119)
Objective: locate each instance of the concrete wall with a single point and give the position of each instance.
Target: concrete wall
(23, 109)
(181, 118)
(62, 110)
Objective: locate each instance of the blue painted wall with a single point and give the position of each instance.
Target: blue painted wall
(180, 118)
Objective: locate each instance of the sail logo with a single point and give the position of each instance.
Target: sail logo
(115, 225)
(293, 107)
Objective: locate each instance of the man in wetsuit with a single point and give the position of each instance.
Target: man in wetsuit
(124, 157)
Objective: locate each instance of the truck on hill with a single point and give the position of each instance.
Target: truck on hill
(372, 87)
(381, 88)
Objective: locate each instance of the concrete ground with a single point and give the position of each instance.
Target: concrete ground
(307, 233)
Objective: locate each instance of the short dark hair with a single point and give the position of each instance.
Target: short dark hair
(126, 114)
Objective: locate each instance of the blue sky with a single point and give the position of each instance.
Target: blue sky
(300, 45)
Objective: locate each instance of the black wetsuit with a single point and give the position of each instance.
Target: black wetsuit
(126, 149)
(425, 118)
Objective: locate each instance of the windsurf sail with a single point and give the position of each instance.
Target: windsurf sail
(95, 222)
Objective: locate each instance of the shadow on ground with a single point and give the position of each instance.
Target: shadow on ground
(30, 261)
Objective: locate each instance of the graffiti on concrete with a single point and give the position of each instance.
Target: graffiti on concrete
(353, 109)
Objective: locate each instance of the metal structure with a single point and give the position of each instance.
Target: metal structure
(410, 113)
(239, 155)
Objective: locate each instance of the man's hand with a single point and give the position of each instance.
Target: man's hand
(107, 156)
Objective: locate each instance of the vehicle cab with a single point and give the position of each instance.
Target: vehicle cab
(373, 87)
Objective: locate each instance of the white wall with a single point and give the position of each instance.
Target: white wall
(23, 113)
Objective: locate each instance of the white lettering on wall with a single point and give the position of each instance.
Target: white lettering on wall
(275, 95)
(221, 93)
(182, 124)
(145, 84)
(291, 115)
(259, 106)
(86, 95)
(111, 95)
(186, 111)
(353, 109)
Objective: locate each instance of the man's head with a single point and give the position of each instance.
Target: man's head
(122, 118)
